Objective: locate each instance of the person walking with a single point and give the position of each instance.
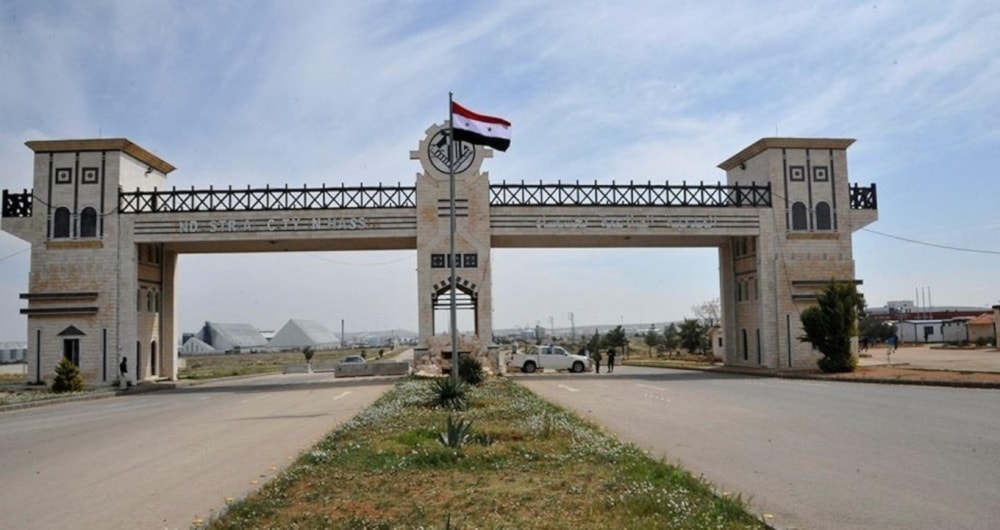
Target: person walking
(611, 360)
(892, 342)
(597, 361)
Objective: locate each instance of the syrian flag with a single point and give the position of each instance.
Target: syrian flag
(479, 129)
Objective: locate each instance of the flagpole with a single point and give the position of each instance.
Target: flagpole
(451, 251)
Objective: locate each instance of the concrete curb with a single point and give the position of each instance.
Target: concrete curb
(109, 392)
(830, 378)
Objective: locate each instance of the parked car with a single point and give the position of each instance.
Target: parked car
(552, 357)
(353, 359)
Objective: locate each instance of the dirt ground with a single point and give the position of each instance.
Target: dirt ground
(908, 373)
(928, 364)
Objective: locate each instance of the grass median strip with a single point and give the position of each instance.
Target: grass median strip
(510, 460)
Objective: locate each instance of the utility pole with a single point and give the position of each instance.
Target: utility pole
(552, 326)
(572, 327)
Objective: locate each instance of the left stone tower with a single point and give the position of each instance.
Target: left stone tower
(94, 296)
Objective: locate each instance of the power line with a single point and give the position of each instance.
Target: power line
(936, 245)
(16, 253)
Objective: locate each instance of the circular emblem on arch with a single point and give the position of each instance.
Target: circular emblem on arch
(437, 152)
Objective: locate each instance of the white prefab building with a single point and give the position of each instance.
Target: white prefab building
(921, 331)
(297, 334)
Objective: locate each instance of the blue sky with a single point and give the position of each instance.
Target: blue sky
(339, 92)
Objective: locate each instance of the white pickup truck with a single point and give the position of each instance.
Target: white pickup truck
(551, 357)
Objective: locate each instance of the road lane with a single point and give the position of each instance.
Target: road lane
(811, 454)
(164, 459)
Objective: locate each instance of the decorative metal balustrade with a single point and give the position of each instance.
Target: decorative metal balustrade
(631, 194)
(16, 204)
(504, 194)
(263, 199)
(864, 197)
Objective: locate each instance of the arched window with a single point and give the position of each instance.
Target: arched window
(823, 218)
(799, 220)
(88, 222)
(759, 360)
(153, 361)
(60, 228)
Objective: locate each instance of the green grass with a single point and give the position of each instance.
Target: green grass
(544, 468)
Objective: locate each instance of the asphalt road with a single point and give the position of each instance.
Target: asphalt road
(164, 459)
(809, 454)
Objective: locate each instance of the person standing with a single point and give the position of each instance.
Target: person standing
(597, 361)
(611, 360)
(123, 371)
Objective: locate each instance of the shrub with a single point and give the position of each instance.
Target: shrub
(470, 370)
(456, 433)
(67, 377)
(449, 393)
(831, 323)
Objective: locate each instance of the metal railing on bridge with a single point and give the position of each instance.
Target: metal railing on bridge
(16, 204)
(268, 198)
(504, 194)
(631, 194)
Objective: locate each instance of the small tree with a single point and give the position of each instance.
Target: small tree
(652, 338)
(308, 353)
(671, 338)
(67, 377)
(692, 336)
(708, 312)
(616, 338)
(830, 324)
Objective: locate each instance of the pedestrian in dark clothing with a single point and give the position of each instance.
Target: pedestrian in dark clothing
(123, 367)
(611, 360)
(597, 362)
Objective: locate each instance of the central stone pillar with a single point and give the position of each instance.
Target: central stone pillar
(472, 250)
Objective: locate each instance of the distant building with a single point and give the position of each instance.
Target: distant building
(921, 331)
(297, 334)
(969, 329)
(905, 310)
(232, 338)
(13, 352)
(195, 346)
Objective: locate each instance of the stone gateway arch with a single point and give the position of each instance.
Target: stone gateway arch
(106, 230)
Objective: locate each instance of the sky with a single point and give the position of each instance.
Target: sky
(297, 92)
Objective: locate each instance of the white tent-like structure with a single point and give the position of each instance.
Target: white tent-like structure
(297, 334)
(196, 346)
(232, 337)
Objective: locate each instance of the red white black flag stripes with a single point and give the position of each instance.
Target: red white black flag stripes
(479, 129)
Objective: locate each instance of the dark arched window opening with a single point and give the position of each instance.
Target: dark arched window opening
(799, 220)
(60, 228)
(153, 361)
(746, 351)
(88, 222)
(823, 218)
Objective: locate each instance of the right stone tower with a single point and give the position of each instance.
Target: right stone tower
(804, 241)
